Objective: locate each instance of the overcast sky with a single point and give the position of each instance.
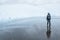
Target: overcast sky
(28, 8)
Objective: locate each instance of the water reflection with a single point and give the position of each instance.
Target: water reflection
(48, 33)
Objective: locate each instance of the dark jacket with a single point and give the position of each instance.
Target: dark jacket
(48, 17)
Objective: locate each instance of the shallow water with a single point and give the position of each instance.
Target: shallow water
(31, 29)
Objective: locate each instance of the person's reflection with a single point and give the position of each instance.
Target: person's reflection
(48, 33)
(48, 25)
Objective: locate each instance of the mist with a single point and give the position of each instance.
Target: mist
(28, 8)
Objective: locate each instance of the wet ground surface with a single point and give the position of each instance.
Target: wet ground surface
(32, 29)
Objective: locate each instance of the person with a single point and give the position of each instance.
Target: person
(48, 21)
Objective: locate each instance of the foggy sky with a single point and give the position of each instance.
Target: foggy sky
(28, 8)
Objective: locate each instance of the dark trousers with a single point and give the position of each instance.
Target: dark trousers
(48, 25)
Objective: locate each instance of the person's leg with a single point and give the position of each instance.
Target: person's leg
(47, 25)
(50, 25)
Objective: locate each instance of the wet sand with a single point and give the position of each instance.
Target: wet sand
(33, 29)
